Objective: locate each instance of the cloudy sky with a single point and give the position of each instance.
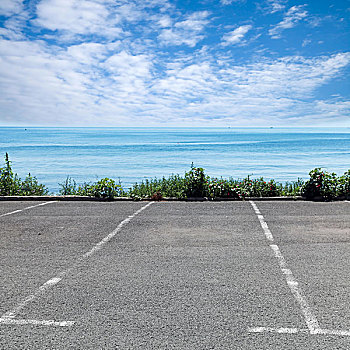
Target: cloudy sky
(174, 63)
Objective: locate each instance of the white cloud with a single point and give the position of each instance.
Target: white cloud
(77, 16)
(128, 78)
(13, 29)
(228, 2)
(103, 18)
(94, 84)
(188, 31)
(236, 35)
(13, 26)
(87, 53)
(117, 73)
(125, 64)
(10, 7)
(306, 42)
(165, 21)
(174, 37)
(276, 5)
(294, 15)
(194, 22)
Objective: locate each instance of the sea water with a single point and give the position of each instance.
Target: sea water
(134, 154)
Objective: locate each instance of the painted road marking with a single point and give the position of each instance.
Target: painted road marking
(263, 224)
(310, 319)
(10, 315)
(277, 330)
(11, 321)
(42, 289)
(297, 330)
(32, 206)
(105, 240)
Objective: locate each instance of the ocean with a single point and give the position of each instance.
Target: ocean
(134, 154)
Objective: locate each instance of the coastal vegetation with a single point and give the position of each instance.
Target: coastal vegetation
(195, 183)
(104, 188)
(12, 185)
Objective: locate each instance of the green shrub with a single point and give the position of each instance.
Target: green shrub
(291, 188)
(259, 187)
(12, 185)
(224, 189)
(30, 187)
(9, 182)
(85, 189)
(106, 188)
(344, 185)
(145, 189)
(68, 187)
(321, 185)
(173, 186)
(196, 183)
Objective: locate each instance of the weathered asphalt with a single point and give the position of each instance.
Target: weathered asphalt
(178, 275)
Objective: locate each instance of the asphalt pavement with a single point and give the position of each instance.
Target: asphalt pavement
(175, 275)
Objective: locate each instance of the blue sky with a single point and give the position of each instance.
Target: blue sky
(174, 63)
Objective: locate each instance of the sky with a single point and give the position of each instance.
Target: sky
(184, 63)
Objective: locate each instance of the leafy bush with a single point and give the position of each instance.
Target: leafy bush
(259, 187)
(291, 188)
(344, 185)
(224, 189)
(84, 189)
(321, 185)
(30, 187)
(9, 182)
(196, 183)
(12, 185)
(172, 186)
(68, 187)
(104, 188)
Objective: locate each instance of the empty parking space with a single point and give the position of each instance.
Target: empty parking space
(37, 244)
(176, 275)
(315, 240)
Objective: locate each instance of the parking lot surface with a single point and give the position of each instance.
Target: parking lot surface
(175, 275)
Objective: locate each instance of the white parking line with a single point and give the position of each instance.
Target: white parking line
(263, 224)
(42, 289)
(11, 321)
(100, 244)
(298, 330)
(277, 330)
(32, 206)
(310, 318)
(9, 316)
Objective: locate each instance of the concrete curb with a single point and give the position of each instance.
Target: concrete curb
(123, 199)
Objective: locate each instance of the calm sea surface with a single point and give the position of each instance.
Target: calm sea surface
(133, 154)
